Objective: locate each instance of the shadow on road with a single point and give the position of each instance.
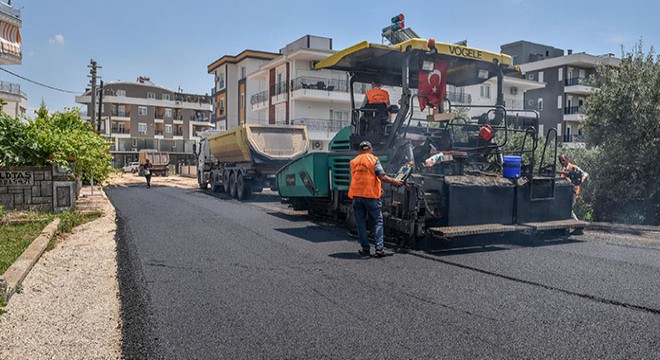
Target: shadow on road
(349, 256)
(315, 233)
(490, 243)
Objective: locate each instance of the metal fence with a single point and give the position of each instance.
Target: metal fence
(321, 124)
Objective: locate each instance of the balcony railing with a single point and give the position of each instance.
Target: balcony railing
(279, 88)
(120, 131)
(158, 132)
(321, 125)
(569, 110)
(575, 81)
(200, 118)
(11, 88)
(573, 138)
(120, 113)
(7, 9)
(192, 98)
(459, 98)
(325, 84)
(259, 97)
(177, 133)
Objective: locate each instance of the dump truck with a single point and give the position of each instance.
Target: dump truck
(245, 159)
(159, 159)
(459, 179)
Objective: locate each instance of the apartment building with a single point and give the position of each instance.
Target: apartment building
(292, 91)
(11, 54)
(561, 102)
(142, 115)
(232, 88)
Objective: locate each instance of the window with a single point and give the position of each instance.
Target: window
(142, 128)
(559, 102)
(540, 104)
(121, 110)
(151, 95)
(221, 81)
(134, 142)
(530, 76)
(484, 91)
(243, 100)
(221, 107)
(168, 128)
(166, 96)
(142, 110)
(561, 74)
(540, 76)
(168, 113)
(121, 92)
(341, 115)
(582, 74)
(243, 74)
(121, 128)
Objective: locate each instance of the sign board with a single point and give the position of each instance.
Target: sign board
(17, 178)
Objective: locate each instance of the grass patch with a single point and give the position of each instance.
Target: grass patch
(14, 239)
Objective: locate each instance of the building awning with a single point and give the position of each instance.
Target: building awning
(10, 39)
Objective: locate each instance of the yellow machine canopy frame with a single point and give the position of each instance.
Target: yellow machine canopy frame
(386, 63)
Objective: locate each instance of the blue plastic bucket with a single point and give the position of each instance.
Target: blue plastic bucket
(511, 166)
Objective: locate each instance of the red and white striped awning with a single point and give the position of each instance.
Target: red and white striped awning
(10, 39)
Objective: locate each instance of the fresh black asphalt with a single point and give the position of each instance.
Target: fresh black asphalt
(203, 277)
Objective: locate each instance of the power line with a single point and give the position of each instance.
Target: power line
(38, 83)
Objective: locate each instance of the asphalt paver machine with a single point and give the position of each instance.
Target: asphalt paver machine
(458, 182)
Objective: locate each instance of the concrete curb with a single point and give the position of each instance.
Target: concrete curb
(17, 272)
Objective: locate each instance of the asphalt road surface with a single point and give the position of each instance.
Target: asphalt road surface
(206, 277)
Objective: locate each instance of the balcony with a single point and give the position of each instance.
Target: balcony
(9, 10)
(259, 101)
(573, 113)
(320, 125)
(577, 86)
(120, 132)
(192, 98)
(459, 98)
(320, 89)
(12, 89)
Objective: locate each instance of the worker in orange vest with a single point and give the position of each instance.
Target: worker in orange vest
(376, 95)
(365, 190)
(575, 174)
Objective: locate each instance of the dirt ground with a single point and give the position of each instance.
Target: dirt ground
(129, 179)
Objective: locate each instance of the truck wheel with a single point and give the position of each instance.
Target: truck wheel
(225, 182)
(243, 190)
(233, 185)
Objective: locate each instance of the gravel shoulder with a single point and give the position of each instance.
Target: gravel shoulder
(69, 304)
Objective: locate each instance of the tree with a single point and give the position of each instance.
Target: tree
(58, 139)
(623, 122)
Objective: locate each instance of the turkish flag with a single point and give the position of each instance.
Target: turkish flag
(432, 85)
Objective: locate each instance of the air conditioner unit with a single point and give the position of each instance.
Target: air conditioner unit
(514, 90)
(312, 64)
(134, 149)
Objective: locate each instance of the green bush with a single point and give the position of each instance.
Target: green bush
(61, 139)
(2, 211)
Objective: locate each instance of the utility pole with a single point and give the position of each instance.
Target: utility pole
(98, 124)
(92, 74)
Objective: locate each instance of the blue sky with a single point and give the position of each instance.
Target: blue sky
(174, 42)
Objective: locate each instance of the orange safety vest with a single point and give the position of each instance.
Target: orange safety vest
(378, 96)
(364, 182)
(568, 168)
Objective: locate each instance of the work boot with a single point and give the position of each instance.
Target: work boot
(380, 253)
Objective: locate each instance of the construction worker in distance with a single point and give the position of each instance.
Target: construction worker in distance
(365, 190)
(576, 175)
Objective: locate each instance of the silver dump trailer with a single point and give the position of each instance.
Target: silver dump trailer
(245, 159)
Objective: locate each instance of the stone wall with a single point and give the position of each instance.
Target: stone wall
(30, 188)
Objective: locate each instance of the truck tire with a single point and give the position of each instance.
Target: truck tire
(225, 182)
(233, 185)
(243, 190)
